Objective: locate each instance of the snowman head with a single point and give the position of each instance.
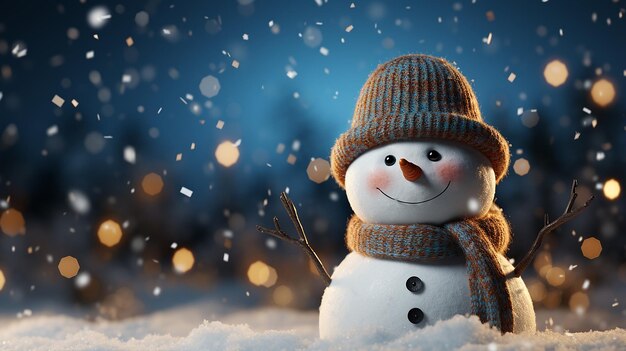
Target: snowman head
(418, 150)
(426, 181)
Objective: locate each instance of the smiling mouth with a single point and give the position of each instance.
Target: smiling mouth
(418, 202)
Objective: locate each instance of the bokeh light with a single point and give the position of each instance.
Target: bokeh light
(611, 189)
(530, 118)
(602, 92)
(555, 276)
(109, 233)
(282, 295)
(68, 267)
(555, 73)
(521, 167)
(312, 36)
(209, 86)
(227, 153)
(261, 274)
(543, 262)
(82, 280)
(183, 260)
(98, 16)
(79, 201)
(94, 142)
(591, 248)
(2, 280)
(12, 222)
(318, 170)
(553, 299)
(579, 302)
(537, 291)
(152, 184)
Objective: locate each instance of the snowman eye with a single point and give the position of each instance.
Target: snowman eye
(390, 160)
(434, 155)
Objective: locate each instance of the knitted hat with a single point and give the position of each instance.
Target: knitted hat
(414, 97)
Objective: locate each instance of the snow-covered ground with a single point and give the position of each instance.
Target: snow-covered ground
(183, 328)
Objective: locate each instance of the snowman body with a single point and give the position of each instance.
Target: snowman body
(374, 295)
(413, 182)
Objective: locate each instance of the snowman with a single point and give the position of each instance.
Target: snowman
(427, 241)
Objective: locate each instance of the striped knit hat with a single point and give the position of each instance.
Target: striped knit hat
(415, 97)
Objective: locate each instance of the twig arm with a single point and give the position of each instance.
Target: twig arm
(302, 241)
(548, 227)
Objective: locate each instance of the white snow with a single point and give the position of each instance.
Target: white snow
(273, 329)
(185, 191)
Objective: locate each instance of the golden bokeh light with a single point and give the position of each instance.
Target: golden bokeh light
(555, 73)
(521, 167)
(611, 189)
(543, 263)
(109, 233)
(318, 170)
(227, 153)
(2, 280)
(537, 291)
(579, 302)
(553, 299)
(591, 248)
(602, 92)
(283, 296)
(152, 184)
(183, 260)
(555, 276)
(69, 267)
(260, 274)
(12, 222)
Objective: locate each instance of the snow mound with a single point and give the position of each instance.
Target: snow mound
(151, 333)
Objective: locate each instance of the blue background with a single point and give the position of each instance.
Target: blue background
(257, 103)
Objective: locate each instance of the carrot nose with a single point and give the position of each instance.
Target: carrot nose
(410, 171)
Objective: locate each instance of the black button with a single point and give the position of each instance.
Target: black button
(414, 284)
(415, 315)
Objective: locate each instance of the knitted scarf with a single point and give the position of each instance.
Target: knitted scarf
(478, 239)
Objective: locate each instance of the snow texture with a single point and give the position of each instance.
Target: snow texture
(273, 329)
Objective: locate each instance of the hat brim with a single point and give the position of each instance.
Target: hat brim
(432, 125)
